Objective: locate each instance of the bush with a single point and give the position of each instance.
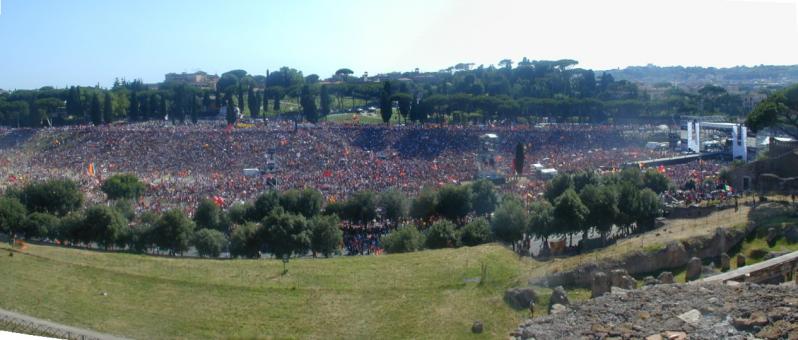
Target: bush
(405, 239)
(441, 234)
(123, 186)
(209, 242)
(475, 232)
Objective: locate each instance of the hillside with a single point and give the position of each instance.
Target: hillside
(412, 295)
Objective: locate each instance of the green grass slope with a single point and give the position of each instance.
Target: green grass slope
(418, 295)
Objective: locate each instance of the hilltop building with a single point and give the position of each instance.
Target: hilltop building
(197, 79)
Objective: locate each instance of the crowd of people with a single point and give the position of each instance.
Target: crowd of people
(184, 164)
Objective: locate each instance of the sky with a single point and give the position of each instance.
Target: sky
(88, 42)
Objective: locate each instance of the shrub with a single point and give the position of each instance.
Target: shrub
(475, 232)
(441, 234)
(405, 239)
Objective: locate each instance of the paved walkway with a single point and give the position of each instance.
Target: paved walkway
(55, 329)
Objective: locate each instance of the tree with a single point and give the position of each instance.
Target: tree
(648, 207)
(55, 196)
(454, 202)
(253, 102)
(264, 204)
(509, 221)
(541, 220)
(405, 101)
(240, 92)
(40, 225)
(245, 241)
(174, 231)
(96, 114)
(569, 212)
(308, 102)
(424, 205)
(557, 186)
(12, 216)
(602, 202)
(265, 101)
(123, 186)
(483, 197)
(207, 215)
(518, 162)
(286, 234)
(230, 116)
(306, 202)
(105, 225)
(133, 111)
(108, 107)
(655, 181)
(193, 109)
(386, 104)
(394, 205)
(475, 232)
(779, 112)
(405, 239)
(209, 242)
(326, 236)
(325, 100)
(360, 208)
(344, 72)
(441, 234)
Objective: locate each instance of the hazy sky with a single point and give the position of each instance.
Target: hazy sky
(85, 42)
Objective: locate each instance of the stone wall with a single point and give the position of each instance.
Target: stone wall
(675, 255)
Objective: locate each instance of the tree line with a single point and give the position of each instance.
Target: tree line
(529, 91)
(295, 222)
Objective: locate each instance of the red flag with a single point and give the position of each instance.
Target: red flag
(328, 173)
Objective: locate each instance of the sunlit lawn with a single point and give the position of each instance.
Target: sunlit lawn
(418, 295)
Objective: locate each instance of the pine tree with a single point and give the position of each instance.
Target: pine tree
(241, 97)
(206, 101)
(108, 107)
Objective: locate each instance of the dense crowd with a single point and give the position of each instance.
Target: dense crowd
(183, 164)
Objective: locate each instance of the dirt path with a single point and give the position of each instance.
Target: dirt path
(55, 329)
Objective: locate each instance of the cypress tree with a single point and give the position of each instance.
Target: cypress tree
(325, 100)
(133, 112)
(94, 111)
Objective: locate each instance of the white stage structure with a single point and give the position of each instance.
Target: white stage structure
(739, 134)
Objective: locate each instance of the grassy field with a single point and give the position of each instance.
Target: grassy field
(418, 295)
